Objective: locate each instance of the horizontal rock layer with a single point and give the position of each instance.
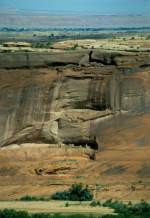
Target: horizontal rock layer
(62, 104)
(84, 57)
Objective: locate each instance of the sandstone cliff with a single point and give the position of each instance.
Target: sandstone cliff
(63, 104)
(99, 98)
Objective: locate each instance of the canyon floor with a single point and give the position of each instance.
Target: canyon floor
(54, 207)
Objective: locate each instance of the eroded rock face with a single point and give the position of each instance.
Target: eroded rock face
(39, 59)
(60, 105)
(122, 59)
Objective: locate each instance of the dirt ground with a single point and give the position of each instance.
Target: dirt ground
(117, 174)
(126, 43)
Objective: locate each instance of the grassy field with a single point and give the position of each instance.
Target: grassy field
(55, 207)
(94, 209)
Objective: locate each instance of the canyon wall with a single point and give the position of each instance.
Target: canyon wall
(60, 97)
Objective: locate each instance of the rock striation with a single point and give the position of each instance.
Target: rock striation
(59, 97)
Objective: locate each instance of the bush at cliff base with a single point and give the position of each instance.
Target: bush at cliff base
(76, 193)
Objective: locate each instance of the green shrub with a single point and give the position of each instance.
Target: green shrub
(65, 195)
(41, 215)
(66, 204)
(76, 193)
(9, 213)
(42, 45)
(33, 198)
(119, 207)
(118, 216)
(95, 203)
(140, 210)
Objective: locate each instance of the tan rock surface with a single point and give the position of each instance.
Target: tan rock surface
(105, 106)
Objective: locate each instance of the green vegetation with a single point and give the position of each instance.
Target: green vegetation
(140, 210)
(9, 213)
(119, 207)
(132, 38)
(67, 204)
(42, 45)
(76, 193)
(148, 37)
(34, 198)
(95, 203)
